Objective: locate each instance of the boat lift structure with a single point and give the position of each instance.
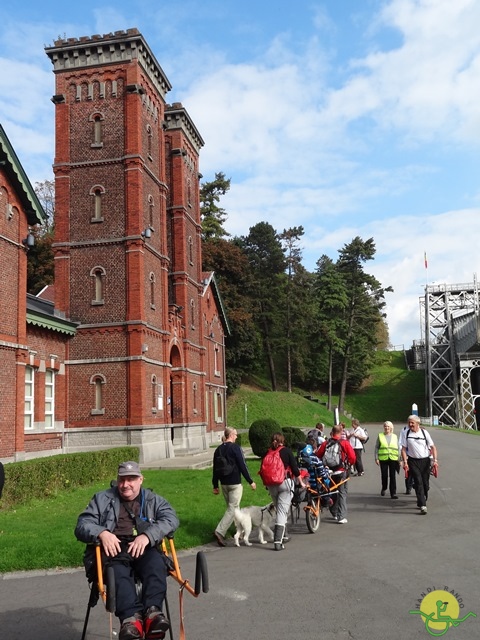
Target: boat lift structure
(450, 351)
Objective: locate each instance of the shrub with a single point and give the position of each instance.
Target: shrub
(294, 436)
(260, 435)
(43, 477)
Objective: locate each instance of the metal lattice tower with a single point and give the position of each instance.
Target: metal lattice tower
(450, 317)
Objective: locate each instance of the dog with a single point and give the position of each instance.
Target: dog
(248, 517)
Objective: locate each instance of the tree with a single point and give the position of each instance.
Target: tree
(331, 301)
(232, 272)
(40, 260)
(363, 312)
(213, 216)
(293, 255)
(267, 263)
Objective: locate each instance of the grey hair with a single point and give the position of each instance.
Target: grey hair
(388, 424)
(414, 418)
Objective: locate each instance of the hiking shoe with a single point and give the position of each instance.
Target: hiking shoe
(343, 521)
(394, 497)
(423, 511)
(156, 624)
(132, 628)
(382, 492)
(220, 539)
(408, 492)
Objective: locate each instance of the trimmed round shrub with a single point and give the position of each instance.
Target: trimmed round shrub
(294, 438)
(260, 435)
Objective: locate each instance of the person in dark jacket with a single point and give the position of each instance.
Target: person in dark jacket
(282, 493)
(232, 487)
(129, 522)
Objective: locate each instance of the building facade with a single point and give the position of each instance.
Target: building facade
(145, 365)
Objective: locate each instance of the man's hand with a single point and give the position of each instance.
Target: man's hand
(138, 546)
(110, 543)
(216, 491)
(253, 485)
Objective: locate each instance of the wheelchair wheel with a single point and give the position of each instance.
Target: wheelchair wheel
(312, 514)
(201, 574)
(110, 589)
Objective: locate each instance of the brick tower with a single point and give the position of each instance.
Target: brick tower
(128, 253)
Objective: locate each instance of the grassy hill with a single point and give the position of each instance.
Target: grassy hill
(387, 395)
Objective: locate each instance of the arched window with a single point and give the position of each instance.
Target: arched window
(98, 382)
(98, 276)
(97, 129)
(195, 398)
(152, 290)
(149, 141)
(151, 209)
(154, 393)
(192, 313)
(97, 192)
(190, 249)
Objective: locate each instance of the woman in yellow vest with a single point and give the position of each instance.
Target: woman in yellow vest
(387, 456)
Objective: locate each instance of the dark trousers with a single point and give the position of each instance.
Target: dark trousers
(388, 468)
(358, 461)
(152, 572)
(419, 468)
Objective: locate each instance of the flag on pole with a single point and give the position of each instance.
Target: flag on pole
(425, 258)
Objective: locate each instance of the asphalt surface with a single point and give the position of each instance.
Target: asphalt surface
(356, 581)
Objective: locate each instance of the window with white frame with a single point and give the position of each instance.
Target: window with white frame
(49, 399)
(218, 407)
(216, 358)
(98, 382)
(29, 397)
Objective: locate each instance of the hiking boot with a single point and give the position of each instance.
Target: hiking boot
(132, 628)
(408, 492)
(382, 492)
(394, 497)
(156, 624)
(343, 521)
(423, 511)
(278, 537)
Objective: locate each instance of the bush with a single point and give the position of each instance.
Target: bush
(260, 435)
(293, 437)
(44, 477)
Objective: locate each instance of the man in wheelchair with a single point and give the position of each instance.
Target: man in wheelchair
(129, 522)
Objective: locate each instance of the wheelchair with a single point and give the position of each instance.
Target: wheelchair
(322, 488)
(102, 587)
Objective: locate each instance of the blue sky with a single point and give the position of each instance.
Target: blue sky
(348, 117)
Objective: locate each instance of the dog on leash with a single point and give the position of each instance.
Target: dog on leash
(248, 517)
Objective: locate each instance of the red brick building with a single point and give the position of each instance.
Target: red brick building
(145, 365)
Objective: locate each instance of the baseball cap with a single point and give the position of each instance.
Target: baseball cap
(129, 468)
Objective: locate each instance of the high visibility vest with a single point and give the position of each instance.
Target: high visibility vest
(388, 451)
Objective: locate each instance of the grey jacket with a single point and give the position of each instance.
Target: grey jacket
(103, 510)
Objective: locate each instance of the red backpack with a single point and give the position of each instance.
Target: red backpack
(272, 469)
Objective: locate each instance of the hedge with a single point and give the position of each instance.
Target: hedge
(44, 477)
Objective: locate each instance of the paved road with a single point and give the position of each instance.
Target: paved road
(357, 581)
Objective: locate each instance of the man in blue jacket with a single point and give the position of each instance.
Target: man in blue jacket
(129, 522)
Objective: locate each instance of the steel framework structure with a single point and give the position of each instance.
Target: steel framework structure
(450, 320)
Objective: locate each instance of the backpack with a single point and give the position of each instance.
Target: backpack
(222, 465)
(333, 455)
(367, 437)
(272, 470)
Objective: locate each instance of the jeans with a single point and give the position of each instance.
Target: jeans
(232, 494)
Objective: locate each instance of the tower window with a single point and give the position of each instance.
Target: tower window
(98, 381)
(98, 275)
(97, 193)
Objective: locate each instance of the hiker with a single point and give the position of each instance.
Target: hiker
(387, 456)
(228, 474)
(337, 454)
(417, 448)
(281, 488)
(129, 522)
(357, 436)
